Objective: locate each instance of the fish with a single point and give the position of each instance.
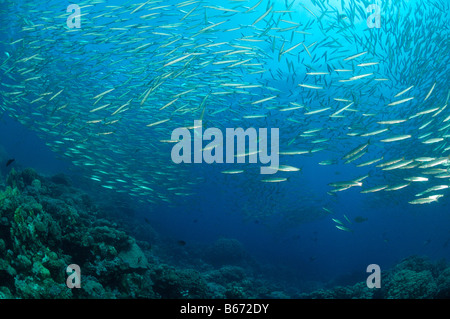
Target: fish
(355, 151)
(404, 91)
(353, 78)
(416, 179)
(306, 49)
(136, 71)
(274, 180)
(342, 109)
(424, 159)
(287, 109)
(429, 93)
(327, 162)
(9, 162)
(181, 243)
(370, 162)
(433, 189)
(254, 7)
(288, 168)
(374, 189)
(102, 94)
(314, 87)
(54, 96)
(317, 73)
(433, 140)
(139, 7)
(318, 111)
(436, 162)
(396, 187)
(401, 101)
(264, 100)
(396, 138)
(99, 108)
(262, 16)
(391, 122)
(398, 165)
(233, 171)
(345, 184)
(177, 60)
(360, 219)
(375, 132)
(292, 48)
(425, 200)
(355, 56)
(368, 64)
(298, 152)
(344, 228)
(355, 157)
(169, 104)
(158, 122)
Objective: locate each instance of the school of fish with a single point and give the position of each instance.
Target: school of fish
(108, 95)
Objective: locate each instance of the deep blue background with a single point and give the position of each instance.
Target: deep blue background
(315, 249)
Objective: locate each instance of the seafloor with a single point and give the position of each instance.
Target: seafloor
(47, 224)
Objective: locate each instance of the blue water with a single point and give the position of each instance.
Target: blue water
(315, 250)
(295, 235)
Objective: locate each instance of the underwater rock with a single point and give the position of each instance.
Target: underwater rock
(40, 271)
(6, 269)
(61, 179)
(443, 282)
(5, 293)
(415, 263)
(2, 247)
(225, 251)
(410, 284)
(235, 292)
(111, 236)
(134, 257)
(357, 291)
(31, 288)
(92, 288)
(226, 274)
(173, 283)
(278, 295)
(135, 285)
(21, 179)
(23, 263)
(36, 184)
(414, 277)
(40, 235)
(40, 226)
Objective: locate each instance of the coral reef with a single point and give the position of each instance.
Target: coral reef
(179, 283)
(47, 224)
(414, 277)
